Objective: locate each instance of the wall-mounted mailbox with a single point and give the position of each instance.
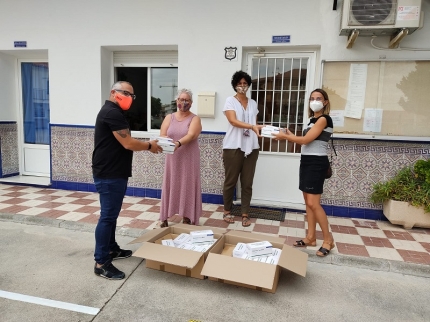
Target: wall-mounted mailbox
(206, 104)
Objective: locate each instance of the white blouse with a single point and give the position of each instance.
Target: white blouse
(234, 138)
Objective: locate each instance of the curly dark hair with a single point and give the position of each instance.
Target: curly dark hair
(238, 76)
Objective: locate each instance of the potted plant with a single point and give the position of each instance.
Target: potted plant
(406, 196)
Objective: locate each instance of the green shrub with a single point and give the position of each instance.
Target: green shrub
(410, 184)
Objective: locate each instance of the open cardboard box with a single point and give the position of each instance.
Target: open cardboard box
(221, 266)
(170, 259)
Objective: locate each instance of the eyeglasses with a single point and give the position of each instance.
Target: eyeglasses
(126, 93)
(319, 99)
(183, 101)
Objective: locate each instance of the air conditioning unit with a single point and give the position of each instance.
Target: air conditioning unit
(380, 17)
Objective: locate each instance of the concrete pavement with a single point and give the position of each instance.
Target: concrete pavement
(54, 263)
(378, 264)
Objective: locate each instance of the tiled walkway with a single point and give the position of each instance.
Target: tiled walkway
(365, 238)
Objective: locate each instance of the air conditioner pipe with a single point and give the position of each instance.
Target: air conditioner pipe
(351, 38)
(396, 39)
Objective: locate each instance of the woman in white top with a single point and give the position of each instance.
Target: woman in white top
(240, 146)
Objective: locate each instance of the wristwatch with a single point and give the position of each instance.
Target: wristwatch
(149, 146)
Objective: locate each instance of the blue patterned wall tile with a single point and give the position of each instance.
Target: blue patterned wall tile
(9, 149)
(374, 214)
(83, 186)
(65, 185)
(340, 211)
(356, 213)
(358, 166)
(139, 192)
(211, 198)
(129, 191)
(328, 210)
(152, 193)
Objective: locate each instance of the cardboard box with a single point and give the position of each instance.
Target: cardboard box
(221, 266)
(170, 259)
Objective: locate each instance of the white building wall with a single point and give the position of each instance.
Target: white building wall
(7, 73)
(74, 32)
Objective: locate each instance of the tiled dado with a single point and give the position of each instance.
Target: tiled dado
(71, 150)
(9, 164)
(360, 164)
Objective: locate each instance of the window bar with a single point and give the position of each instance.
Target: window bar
(273, 100)
(258, 80)
(148, 100)
(265, 94)
(289, 98)
(297, 100)
(258, 93)
(280, 98)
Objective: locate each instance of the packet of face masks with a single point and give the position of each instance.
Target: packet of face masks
(269, 130)
(166, 143)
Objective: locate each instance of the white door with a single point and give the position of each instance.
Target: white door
(280, 85)
(34, 118)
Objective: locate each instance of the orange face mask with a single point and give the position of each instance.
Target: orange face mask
(123, 101)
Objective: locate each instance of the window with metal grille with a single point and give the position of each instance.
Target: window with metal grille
(279, 88)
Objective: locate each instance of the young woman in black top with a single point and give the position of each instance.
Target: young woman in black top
(313, 167)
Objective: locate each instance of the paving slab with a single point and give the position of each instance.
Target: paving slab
(57, 264)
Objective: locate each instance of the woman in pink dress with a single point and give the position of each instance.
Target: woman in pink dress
(181, 192)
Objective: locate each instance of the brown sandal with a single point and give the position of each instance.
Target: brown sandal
(246, 222)
(164, 224)
(186, 221)
(228, 218)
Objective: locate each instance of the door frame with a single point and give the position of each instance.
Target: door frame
(20, 123)
(286, 195)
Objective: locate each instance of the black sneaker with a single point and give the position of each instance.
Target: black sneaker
(120, 254)
(108, 271)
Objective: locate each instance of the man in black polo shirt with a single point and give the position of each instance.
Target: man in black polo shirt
(112, 161)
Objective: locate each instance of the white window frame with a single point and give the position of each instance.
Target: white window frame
(149, 59)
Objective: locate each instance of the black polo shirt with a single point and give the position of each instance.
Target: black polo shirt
(110, 159)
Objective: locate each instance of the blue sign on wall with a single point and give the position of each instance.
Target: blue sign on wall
(20, 44)
(280, 39)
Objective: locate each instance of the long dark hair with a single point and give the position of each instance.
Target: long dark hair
(326, 108)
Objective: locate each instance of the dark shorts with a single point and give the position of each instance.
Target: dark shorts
(312, 173)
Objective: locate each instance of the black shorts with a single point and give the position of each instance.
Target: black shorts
(313, 169)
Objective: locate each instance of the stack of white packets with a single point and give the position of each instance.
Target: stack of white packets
(259, 251)
(198, 241)
(269, 130)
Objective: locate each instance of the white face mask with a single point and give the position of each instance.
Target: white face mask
(316, 106)
(242, 89)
